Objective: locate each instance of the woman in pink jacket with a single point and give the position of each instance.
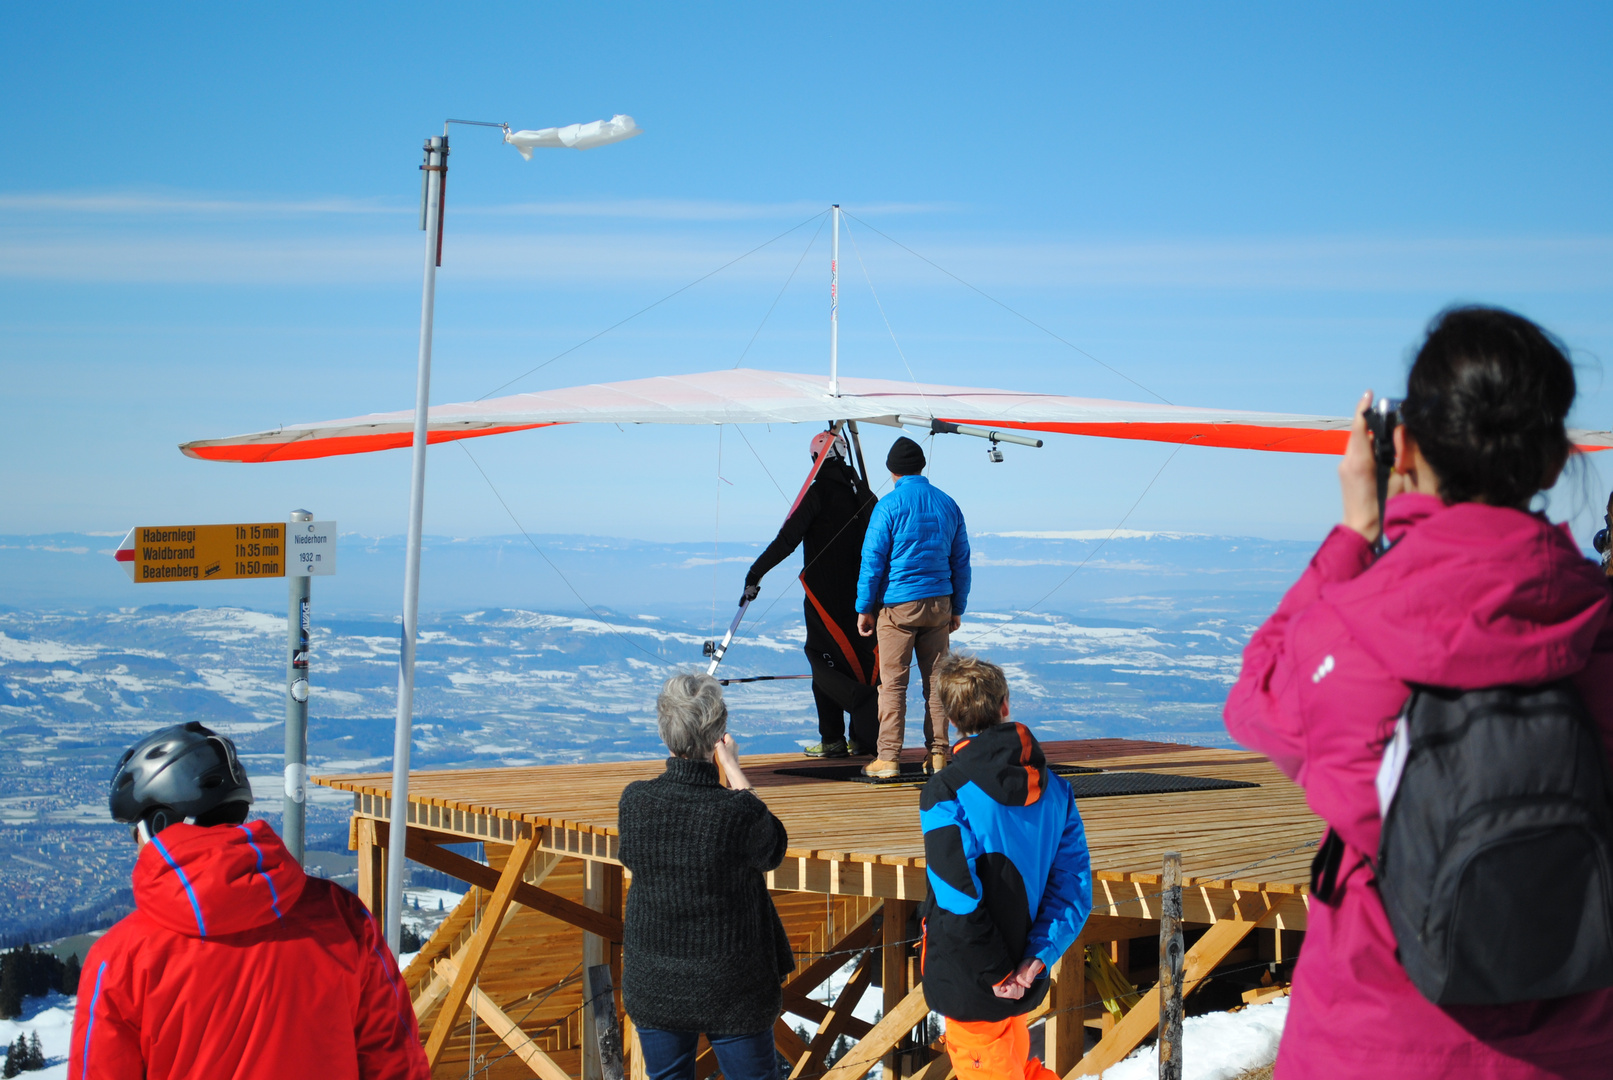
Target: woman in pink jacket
(1476, 591)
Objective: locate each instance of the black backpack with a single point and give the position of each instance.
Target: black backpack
(1495, 863)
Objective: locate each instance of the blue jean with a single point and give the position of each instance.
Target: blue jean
(669, 1055)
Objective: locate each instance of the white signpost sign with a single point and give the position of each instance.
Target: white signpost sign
(310, 548)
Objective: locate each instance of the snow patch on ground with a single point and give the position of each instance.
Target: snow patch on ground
(43, 652)
(52, 1018)
(1216, 1046)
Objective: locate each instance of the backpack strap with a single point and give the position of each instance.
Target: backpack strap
(1325, 867)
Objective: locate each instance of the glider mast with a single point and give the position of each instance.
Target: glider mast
(834, 305)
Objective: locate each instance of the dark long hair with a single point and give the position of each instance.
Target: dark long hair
(1486, 400)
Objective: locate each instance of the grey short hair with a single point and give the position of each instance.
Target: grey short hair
(691, 715)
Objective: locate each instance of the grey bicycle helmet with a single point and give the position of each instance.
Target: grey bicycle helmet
(187, 772)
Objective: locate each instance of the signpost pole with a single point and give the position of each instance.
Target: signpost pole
(297, 626)
(397, 861)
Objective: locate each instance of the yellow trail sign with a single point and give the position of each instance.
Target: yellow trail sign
(205, 552)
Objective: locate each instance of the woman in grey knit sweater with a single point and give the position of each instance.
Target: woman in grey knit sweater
(703, 951)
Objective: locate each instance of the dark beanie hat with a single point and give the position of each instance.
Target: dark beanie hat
(905, 458)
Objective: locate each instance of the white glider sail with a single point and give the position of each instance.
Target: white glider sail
(747, 396)
(769, 397)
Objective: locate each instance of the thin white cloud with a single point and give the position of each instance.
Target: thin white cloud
(694, 209)
(519, 255)
(140, 204)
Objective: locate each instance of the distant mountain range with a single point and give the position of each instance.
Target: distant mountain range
(1013, 569)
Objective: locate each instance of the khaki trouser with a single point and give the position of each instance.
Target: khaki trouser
(924, 627)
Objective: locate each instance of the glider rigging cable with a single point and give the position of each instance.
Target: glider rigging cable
(649, 307)
(1011, 311)
(558, 572)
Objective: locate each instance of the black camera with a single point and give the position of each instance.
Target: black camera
(1382, 418)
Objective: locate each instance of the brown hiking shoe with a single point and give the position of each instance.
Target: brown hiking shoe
(937, 761)
(880, 769)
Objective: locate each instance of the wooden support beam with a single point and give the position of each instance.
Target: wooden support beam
(508, 1031)
(939, 1068)
(371, 866)
(897, 1022)
(1171, 972)
(476, 952)
(810, 1064)
(453, 935)
(791, 1045)
(1064, 1034)
(437, 988)
(1219, 940)
(835, 957)
(472, 872)
(814, 1010)
(893, 974)
(635, 1053)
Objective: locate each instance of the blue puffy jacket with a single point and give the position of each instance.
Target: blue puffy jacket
(1009, 872)
(916, 548)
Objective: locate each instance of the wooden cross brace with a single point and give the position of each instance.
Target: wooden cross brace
(470, 965)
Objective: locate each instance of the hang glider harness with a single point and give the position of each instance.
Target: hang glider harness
(716, 650)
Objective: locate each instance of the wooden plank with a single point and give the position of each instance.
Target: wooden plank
(895, 1024)
(1141, 1021)
(864, 840)
(476, 952)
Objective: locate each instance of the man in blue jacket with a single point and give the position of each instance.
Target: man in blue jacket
(1009, 872)
(912, 589)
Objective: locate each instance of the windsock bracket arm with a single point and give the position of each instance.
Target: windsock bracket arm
(943, 427)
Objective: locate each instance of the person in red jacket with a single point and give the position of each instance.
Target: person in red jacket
(1476, 591)
(235, 964)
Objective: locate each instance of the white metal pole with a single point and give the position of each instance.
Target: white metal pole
(436, 164)
(834, 308)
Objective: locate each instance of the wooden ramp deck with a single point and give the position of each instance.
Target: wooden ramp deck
(548, 902)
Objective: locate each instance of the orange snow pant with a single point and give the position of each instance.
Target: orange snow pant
(994, 1050)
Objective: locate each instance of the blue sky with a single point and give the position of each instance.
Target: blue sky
(208, 226)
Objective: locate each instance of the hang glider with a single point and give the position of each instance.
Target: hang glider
(745, 396)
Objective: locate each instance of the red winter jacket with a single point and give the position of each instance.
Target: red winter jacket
(238, 966)
(1469, 596)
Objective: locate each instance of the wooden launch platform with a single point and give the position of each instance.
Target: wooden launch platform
(548, 903)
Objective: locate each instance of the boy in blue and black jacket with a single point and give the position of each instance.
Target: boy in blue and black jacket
(1009, 874)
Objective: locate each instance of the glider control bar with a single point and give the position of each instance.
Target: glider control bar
(714, 649)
